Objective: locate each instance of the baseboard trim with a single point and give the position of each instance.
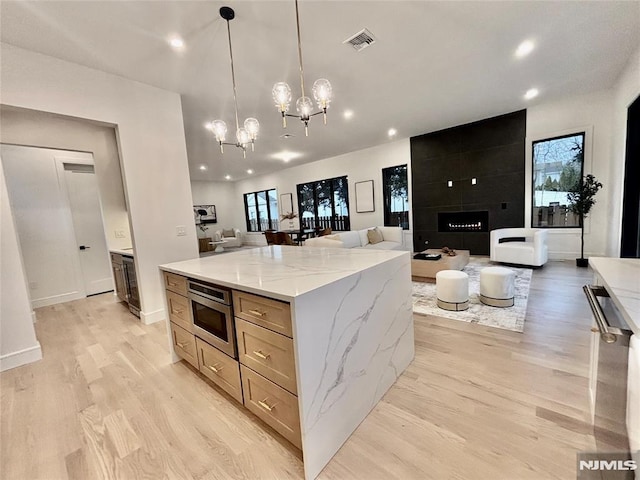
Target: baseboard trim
(153, 317)
(21, 357)
(53, 300)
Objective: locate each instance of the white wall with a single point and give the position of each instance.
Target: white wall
(150, 134)
(223, 196)
(625, 91)
(361, 165)
(592, 114)
(43, 221)
(18, 343)
(39, 129)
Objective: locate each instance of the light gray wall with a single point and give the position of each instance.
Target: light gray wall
(40, 129)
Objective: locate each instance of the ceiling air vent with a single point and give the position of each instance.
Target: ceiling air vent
(361, 40)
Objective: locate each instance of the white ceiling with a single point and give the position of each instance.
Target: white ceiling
(434, 65)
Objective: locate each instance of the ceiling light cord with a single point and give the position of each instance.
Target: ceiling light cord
(233, 76)
(299, 49)
(249, 132)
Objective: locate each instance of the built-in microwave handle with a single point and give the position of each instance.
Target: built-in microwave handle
(593, 291)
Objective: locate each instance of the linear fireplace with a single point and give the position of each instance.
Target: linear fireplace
(463, 221)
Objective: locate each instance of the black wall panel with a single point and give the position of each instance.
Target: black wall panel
(492, 151)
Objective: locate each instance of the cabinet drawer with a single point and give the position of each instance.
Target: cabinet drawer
(116, 258)
(184, 344)
(179, 310)
(221, 369)
(274, 405)
(268, 353)
(175, 283)
(262, 311)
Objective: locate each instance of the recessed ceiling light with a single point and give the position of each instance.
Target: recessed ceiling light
(249, 171)
(531, 93)
(392, 132)
(203, 167)
(176, 43)
(227, 177)
(524, 49)
(348, 114)
(286, 156)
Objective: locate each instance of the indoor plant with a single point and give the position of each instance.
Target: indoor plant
(581, 199)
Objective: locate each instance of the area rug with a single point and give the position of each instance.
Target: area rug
(511, 318)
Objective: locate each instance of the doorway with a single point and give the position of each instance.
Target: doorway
(59, 220)
(630, 245)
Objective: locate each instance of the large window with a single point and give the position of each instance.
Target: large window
(261, 210)
(557, 167)
(324, 204)
(396, 196)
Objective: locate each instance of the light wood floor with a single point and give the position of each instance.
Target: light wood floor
(476, 403)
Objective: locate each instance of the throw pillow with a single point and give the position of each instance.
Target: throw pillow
(228, 233)
(374, 236)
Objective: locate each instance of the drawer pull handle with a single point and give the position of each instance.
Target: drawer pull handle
(171, 284)
(178, 311)
(214, 368)
(258, 313)
(265, 405)
(259, 354)
(181, 345)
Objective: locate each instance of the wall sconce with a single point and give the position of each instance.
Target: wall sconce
(450, 183)
(473, 181)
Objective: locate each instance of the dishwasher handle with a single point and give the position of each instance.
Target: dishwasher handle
(608, 334)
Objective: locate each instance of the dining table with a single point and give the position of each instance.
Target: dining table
(300, 234)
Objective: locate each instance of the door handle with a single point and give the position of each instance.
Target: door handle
(83, 247)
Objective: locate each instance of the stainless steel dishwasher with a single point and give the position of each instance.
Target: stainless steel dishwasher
(610, 359)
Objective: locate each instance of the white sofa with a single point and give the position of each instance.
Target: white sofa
(235, 241)
(392, 239)
(508, 246)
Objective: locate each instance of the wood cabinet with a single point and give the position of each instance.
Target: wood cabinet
(268, 313)
(175, 283)
(267, 362)
(221, 369)
(118, 276)
(273, 404)
(268, 353)
(184, 344)
(179, 310)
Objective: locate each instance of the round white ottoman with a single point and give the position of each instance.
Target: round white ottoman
(452, 290)
(497, 286)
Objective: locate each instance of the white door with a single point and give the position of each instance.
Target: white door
(82, 188)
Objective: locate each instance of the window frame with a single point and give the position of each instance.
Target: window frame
(270, 218)
(386, 197)
(582, 133)
(332, 191)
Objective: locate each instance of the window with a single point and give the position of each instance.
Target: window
(261, 210)
(396, 196)
(557, 167)
(324, 204)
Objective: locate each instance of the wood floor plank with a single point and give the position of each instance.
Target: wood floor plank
(477, 402)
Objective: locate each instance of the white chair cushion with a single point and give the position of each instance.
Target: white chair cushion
(497, 282)
(452, 286)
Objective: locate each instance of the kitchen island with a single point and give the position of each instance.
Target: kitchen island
(351, 331)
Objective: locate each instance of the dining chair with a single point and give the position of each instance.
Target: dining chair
(283, 238)
(270, 236)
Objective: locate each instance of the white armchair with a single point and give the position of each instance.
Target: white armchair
(232, 241)
(521, 246)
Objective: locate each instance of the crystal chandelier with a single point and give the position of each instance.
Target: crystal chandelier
(321, 90)
(249, 132)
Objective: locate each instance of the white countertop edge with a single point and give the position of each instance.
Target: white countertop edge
(126, 253)
(235, 286)
(266, 291)
(625, 298)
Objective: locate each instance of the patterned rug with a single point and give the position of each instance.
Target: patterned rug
(511, 318)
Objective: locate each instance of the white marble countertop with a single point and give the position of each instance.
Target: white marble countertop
(282, 272)
(122, 251)
(621, 278)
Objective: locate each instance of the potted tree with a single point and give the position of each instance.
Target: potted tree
(581, 199)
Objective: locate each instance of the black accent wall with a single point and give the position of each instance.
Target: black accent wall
(492, 151)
